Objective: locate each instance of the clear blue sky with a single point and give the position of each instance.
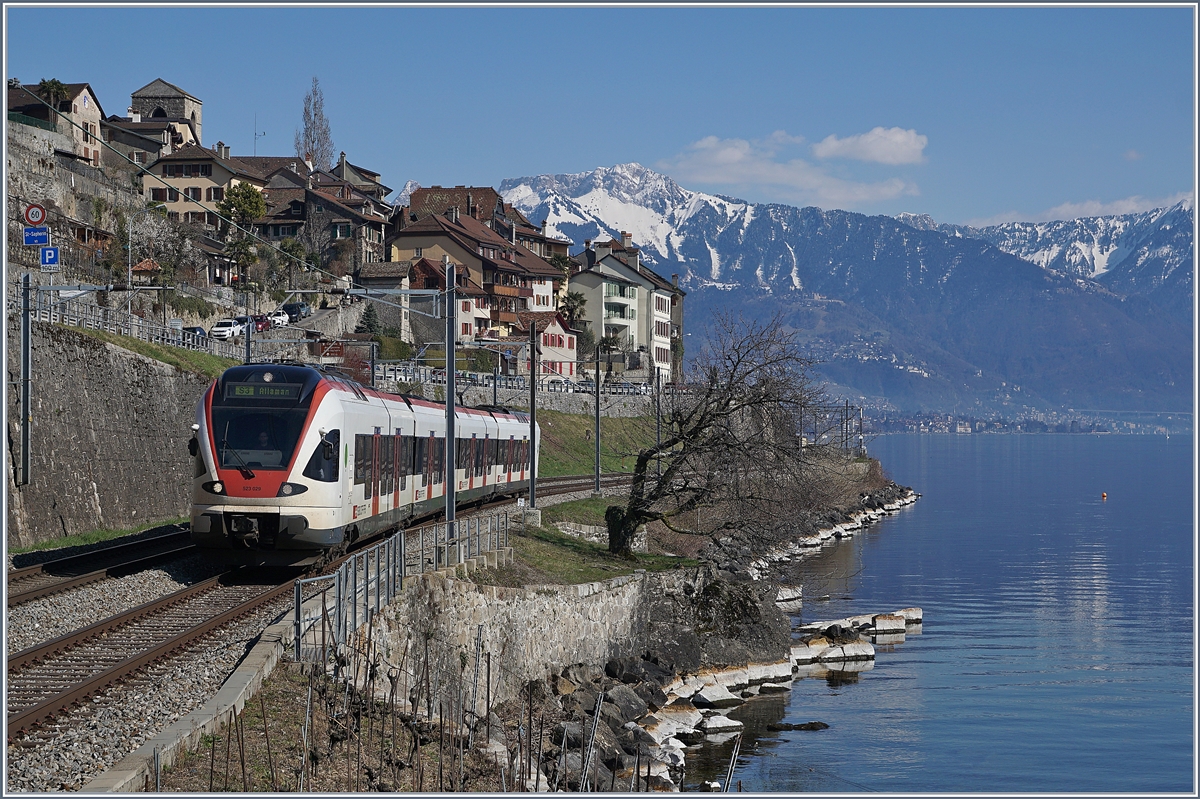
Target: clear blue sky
(967, 114)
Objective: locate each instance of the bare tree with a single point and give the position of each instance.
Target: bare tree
(313, 141)
(730, 441)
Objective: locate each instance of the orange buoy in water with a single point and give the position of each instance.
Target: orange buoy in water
(1104, 495)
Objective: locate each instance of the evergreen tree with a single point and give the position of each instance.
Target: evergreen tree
(369, 323)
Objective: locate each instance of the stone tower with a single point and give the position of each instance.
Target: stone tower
(168, 101)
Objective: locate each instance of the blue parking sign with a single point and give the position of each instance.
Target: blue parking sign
(49, 256)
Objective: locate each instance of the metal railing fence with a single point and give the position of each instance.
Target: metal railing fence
(76, 313)
(369, 580)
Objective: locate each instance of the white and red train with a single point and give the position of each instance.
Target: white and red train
(292, 461)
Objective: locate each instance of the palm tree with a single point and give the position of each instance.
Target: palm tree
(53, 91)
(573, 304)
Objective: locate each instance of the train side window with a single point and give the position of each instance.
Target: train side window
(439, 459)
(321, 468)
(361, 458)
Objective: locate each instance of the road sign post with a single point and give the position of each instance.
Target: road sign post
(34, 214)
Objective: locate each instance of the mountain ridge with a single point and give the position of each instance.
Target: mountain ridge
(881, 299)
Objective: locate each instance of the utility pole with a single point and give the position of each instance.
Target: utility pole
(451, 317)
(597, 404)
(658, 422)
(533, 372)
(26, 379)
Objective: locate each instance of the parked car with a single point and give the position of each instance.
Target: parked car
(296, 311)
(279, 317)
(585, 387)
(261, 323)
(198, 332)
(226, 329)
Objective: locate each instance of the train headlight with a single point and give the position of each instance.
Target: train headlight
(214, 488)
(291, 489)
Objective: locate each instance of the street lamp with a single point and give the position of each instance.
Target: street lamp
(129, 258)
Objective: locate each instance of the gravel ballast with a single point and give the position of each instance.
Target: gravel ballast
(50, 617)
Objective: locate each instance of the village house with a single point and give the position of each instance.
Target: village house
(190, 182)
(513, 278)
(162, 101)
(484, 204)
(78, 116)
(343, 227)
(472, 315)
(557, 340)
(162, 119)
(631, 304)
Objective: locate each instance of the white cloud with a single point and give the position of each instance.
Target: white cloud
(1078, 210)
(761, 165)
(881, 145)
(1129, 205)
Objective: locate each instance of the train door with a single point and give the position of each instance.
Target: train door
(471, 463)
(398, 469)
(374, 477)
(487, 457)
(508, 460)
(429, 451)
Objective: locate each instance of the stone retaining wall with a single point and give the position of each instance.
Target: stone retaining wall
(531, 633)
(109, 437)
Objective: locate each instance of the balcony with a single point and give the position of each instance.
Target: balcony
(629, 314)
(502, 291)
(504, 317)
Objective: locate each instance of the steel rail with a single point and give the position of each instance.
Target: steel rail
(58, 585)
(34, 654)
(53, 705)
(116, 554)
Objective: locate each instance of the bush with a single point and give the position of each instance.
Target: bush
(185, 303)
(392, 348)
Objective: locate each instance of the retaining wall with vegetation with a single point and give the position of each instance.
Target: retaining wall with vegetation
(109, 437)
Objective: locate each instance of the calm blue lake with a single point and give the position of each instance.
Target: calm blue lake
(1057, 651)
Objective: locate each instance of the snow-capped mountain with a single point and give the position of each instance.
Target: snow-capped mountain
(1149, 253)
(667, 222)
(901, 311)
(405, 193)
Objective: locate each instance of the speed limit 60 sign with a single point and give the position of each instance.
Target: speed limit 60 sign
(35, 214)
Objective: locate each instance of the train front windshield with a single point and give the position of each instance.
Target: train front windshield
(257, 422)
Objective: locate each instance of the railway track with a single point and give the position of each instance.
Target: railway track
(550, 486)
(52, 577)
(45, 680)
(48, 679)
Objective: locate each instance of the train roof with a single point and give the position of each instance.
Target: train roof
(309, 375)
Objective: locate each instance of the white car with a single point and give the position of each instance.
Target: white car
(226, 329)
(279, 318)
